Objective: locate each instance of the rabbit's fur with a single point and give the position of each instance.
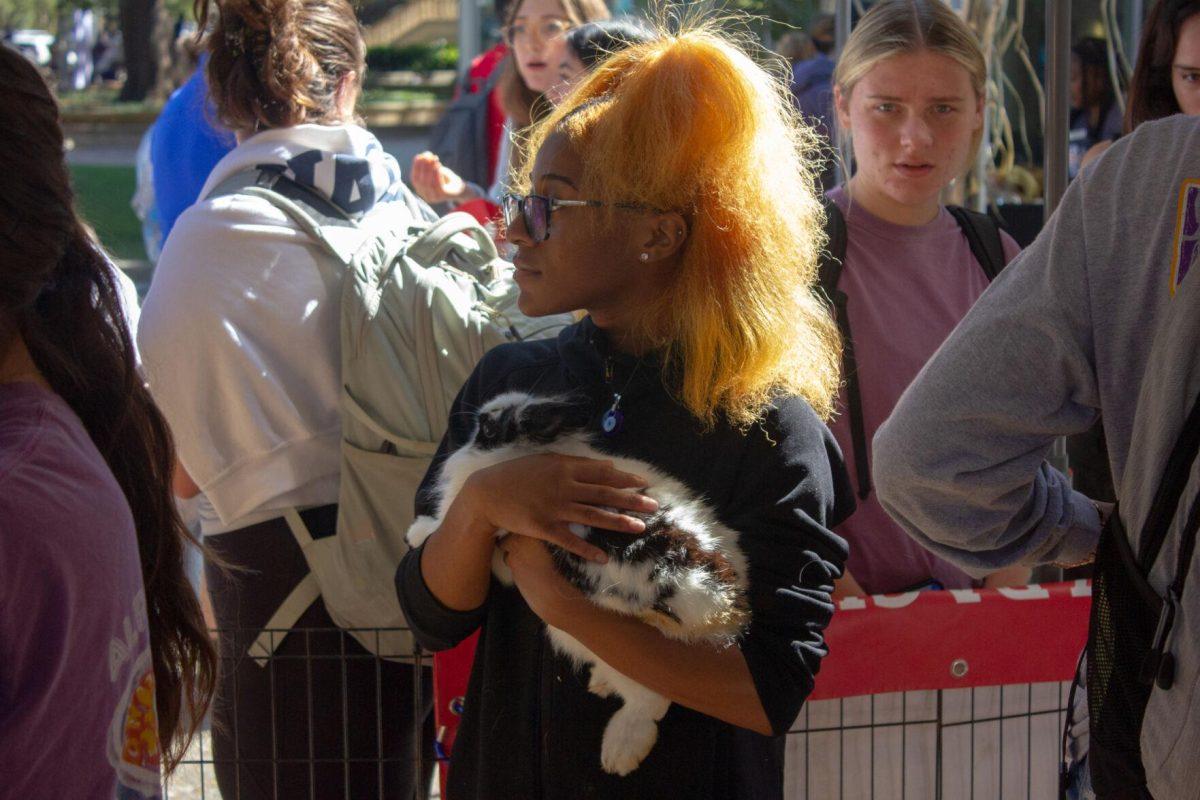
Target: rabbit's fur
(685, 575)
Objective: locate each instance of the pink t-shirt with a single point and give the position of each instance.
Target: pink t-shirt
(907, 287)
(77, 714)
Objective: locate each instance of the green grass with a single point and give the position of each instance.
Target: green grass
(103, 194)
(402, 95)
(103, 99)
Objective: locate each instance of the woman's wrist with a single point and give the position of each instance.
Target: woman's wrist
(466, 513)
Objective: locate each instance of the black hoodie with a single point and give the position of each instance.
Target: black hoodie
(530, 728)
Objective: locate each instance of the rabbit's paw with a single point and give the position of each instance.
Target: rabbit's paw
(628, 739)
(599, 686)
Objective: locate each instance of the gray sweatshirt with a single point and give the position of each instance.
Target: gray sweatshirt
(1098, 313)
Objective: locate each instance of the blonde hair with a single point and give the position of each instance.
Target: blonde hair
(896, 27)
(689, 122)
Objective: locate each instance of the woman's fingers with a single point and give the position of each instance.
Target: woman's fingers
(426, 177)
(591, 470)
(449, 182)
(596, 517)
(621, 499)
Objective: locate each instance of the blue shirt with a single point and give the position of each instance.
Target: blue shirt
(812, 86)
(186, 144)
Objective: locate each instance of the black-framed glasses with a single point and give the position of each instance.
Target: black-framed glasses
(535, 211)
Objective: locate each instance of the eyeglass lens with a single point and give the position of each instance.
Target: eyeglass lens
(534, 212)
(544, 31)
(537, 217)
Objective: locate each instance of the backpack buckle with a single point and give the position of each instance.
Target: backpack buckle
(1159, 665)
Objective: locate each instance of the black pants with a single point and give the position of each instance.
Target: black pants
(324, 718)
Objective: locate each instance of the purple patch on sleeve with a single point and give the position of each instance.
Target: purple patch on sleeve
(1187, 235)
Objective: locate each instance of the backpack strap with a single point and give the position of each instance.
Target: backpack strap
(830, 264)
(314, 213)
(437, 242)
(1170, 489)
(983, 237)
(306, 592)
(1159, 664)
(832, 257)
(271, 177)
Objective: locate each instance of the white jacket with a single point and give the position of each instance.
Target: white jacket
(239, 332)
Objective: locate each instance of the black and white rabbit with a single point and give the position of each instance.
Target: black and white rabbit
(685, 575)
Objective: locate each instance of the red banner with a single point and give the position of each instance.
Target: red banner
(952, 639)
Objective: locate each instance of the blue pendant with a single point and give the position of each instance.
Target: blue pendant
(610, 423)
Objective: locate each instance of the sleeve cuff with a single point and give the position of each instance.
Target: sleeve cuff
(781, 699)
(1079, 543)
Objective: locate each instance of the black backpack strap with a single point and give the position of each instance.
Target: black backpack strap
(1170, 489)
(983, 236)
(830, 264)
(834, 254)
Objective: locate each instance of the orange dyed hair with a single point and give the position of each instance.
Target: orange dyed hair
(690, 122)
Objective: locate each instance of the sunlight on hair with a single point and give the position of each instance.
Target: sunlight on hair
(691, 122)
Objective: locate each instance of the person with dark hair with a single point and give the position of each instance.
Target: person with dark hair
(590, 44)
(1095, 114)
(1166, 81)
(1166, 78)
(107, 668)
(240, 338)
(535, 32)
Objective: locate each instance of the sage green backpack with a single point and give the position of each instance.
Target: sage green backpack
(423, 299)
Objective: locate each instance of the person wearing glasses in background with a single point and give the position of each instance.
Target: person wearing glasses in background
(651, 205)
(535, 30)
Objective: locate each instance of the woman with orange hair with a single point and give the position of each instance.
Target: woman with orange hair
(672, 197)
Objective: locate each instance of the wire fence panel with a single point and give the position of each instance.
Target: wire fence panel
(314, 716)
(957, 695)
(990, 743)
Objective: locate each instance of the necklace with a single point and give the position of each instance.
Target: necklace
(612, 420)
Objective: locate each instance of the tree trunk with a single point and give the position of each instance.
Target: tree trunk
(146, 34)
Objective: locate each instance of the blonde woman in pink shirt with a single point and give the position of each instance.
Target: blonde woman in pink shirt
(909, 91)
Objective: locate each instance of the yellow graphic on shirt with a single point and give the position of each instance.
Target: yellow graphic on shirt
(133, 745)
(141, 726)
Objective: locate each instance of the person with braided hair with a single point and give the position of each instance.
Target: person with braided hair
(97, 618)
(239, 335)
